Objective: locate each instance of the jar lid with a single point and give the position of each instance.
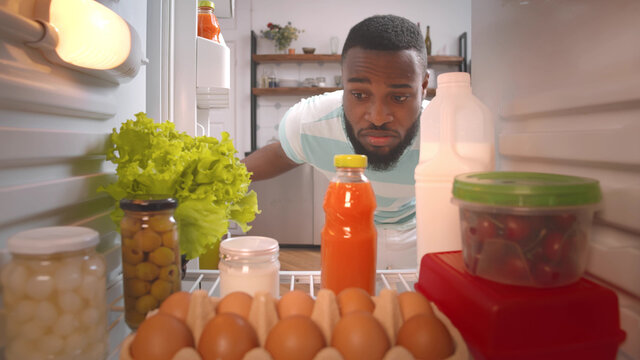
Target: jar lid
(52, 240)
(248, 246)
(206, 3)
(526, 189)
(149, 203)
(350, 161)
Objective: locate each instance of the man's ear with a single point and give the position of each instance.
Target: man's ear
(425, 84)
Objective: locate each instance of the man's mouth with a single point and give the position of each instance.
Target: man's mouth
(378, 138)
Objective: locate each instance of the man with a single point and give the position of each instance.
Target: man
(384, 72)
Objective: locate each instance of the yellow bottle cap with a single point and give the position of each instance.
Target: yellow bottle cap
(206, 3)
(350, 160)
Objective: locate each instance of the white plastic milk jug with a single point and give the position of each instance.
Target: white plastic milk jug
(456, 136)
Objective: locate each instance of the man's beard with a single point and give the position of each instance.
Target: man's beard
(382, 162)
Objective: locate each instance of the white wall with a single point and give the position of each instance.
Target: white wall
(321, 20)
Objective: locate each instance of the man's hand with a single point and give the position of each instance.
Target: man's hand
(268, 161)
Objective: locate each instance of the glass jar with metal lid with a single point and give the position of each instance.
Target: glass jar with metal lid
(249, 264)
(150, 255)
(54, 294)
(526, 228)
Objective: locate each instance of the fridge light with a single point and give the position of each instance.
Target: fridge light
(90, 35)
(82, 35)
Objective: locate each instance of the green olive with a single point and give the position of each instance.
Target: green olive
(162, 256)
(170, 273)
(129, 226)
(147, 271)
(147, 240)
(170, 239)
(132, 255)
(161, 289)
(161, 223)
(146, 303)
(136, 287)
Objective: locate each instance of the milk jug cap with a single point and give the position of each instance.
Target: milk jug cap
(458, 78)
(350, 161)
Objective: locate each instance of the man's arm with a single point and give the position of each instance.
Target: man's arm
(268, 161)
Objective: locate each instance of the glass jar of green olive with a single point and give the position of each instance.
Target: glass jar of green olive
(150, 255)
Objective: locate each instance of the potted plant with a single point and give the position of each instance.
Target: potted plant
(210, 184)
(281, 35)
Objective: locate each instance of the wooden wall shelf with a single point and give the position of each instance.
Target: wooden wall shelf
(286, 58)
(298, 91)
(305, 91)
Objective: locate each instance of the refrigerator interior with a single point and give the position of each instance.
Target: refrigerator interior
(562, 80)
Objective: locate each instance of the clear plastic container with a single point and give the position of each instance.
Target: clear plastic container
(528, 229)
(151, 264)
(249, 264)
(54, 294)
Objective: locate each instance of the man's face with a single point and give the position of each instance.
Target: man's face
(383, 91)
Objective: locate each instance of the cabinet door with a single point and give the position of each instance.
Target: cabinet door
(286, 202)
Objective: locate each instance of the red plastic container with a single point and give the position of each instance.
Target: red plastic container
(578, 321)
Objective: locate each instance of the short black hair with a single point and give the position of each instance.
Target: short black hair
(387, 33)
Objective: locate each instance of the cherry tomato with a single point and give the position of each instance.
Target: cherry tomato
(486, 228)
(516, 269)
(545, 274)
(517, 228)
(472, 241)
(552, 245)
(563, 222)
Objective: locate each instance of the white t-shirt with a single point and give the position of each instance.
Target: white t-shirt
(313, 131)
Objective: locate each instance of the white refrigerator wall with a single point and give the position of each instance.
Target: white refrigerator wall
(562, 79)
(54, 129)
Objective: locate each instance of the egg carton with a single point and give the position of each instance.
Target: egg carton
(263, 316)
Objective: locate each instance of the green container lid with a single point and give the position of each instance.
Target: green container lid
(526, 189)
(350, 161)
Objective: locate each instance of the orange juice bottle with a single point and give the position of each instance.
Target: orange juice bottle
(348, 248)
(208, 26)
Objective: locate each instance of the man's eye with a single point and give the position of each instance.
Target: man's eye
(400, 98)
(358, 95)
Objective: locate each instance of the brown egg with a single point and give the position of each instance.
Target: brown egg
(237, 302)
(358, 335)
(354, 299)
(426, 337)
(295, 302)
(296, 337)
(227, 336)
(412, 303)
(160, 337)
(177, 304)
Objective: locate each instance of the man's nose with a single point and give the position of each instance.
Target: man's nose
(378, 113)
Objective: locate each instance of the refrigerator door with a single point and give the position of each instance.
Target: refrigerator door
(562, 79)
